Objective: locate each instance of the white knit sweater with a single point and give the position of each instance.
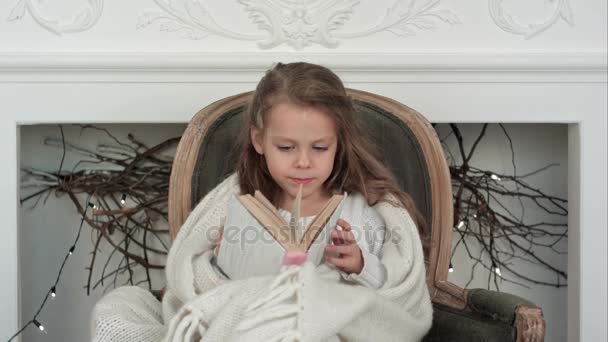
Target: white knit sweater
(303, 303)
(369, 236)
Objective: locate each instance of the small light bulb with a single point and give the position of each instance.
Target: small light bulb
(451, 269)
(92, 205)
(123, 199)
(71, 250)
(474, 215)
(497, 270)
(40, 326)
(460, 224)
(53, 292)
(495, 177)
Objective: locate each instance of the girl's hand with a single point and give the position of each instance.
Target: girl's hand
(345, 254)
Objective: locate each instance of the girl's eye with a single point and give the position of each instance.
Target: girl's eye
(287, 148)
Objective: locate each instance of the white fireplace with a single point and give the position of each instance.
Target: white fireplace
(105, 71)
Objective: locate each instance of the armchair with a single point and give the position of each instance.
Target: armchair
(413, 152)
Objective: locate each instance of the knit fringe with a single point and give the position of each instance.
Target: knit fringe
(190, 327)
(281, 302)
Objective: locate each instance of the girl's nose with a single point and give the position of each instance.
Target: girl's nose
(303, 160)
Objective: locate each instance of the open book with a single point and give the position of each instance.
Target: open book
(256, 237)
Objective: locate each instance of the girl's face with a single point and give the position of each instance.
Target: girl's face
(299, 144)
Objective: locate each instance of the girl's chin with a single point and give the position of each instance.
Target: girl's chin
(294, 191)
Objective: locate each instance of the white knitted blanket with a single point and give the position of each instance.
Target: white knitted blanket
(302, 303)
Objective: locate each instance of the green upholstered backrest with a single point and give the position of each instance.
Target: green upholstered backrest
(396, 143)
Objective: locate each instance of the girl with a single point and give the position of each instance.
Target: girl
(301, 129)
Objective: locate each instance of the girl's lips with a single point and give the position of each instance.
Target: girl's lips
(302, 180)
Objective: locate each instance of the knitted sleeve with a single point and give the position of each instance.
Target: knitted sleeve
(370, 238)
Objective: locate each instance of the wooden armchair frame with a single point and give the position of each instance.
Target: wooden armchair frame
(524, 318)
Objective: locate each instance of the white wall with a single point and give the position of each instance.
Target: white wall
(107, 70)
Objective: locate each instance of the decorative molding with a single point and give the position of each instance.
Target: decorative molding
(355, 67)
(506, 21)
(83, 20)
(191, 18)
(420, 62)
(405, 18)
(298, 23)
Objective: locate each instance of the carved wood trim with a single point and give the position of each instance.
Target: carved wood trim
(529, 324)
(450, 295)
(441, 195)
(186, 156)
(188, 148)
(438, 258)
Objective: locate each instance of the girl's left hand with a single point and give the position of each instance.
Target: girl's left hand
(345, 254)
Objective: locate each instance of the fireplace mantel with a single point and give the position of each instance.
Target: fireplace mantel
(445, 87)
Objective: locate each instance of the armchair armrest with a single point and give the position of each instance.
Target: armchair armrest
(526, 317)
(487, 316)
(497, 305)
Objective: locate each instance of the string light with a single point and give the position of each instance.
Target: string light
(52, 293)
(495, 177)
(451, 269)
(496, 269)
(123, 199)
(92, 205)
(460, 224)
(38, 325)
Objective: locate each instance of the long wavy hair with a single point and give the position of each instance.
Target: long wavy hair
(357, 166)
